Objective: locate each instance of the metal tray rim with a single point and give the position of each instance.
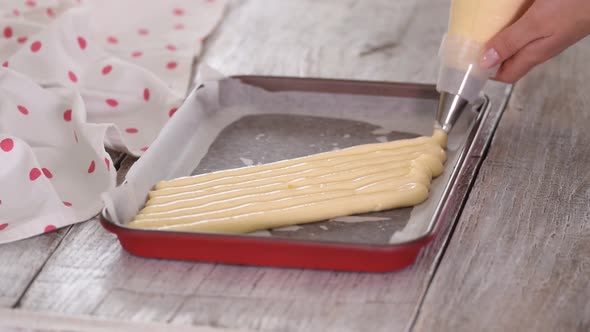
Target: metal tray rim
(422, 90)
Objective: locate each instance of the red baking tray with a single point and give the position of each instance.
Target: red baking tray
(266, 251)
(313, 254)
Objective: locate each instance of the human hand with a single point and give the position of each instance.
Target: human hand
(546, 29)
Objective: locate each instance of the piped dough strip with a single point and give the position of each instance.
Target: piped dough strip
(365, 178)
(337, 163)
(222, 202)
(319, 174)
(398, 147)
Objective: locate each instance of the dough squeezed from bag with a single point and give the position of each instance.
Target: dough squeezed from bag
(360, 179)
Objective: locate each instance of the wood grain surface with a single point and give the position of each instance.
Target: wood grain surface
(519, 259)
(379, 40)
(21, 261)
(90, 274)
(29, 321)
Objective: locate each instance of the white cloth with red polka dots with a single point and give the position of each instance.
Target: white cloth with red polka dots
(77, 76)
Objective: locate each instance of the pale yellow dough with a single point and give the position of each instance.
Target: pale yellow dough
(480, 20)
(365, 178)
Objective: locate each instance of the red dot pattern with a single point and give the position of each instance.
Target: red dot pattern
(6, 144)
(68, 115)
(23, 109)
(47, 173)
(72, 76)
(34, 174)
(36, 46)
(106, 69)
(112, 102)
(91, 167)
(82, 43)
(49, 228)
(81, 46)
(7, 32)
(171, 65)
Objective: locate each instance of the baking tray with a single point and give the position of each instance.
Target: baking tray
(236, 121)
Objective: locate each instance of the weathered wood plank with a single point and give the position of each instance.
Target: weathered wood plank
(90, 274)
(520, 256)
(21, 261)
(352, 39)
(21, 320)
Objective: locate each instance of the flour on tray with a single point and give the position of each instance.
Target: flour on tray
(263, 233)
(247, 162)
(381, 131)
(293, 228)
(382, 139)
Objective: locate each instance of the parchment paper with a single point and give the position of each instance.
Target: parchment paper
(226, 124)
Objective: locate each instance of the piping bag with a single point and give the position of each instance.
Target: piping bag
(461, 79)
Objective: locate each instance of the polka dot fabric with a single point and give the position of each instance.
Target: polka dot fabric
(77, 76)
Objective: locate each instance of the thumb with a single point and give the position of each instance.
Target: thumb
(508, 42)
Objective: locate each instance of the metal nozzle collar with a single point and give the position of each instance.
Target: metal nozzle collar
(450, 108)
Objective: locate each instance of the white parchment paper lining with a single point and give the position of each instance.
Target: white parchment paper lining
(185, 140)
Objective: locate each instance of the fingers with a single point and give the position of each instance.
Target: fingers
(511, 40)
(526, 59)
(546, 29)
(534, 54)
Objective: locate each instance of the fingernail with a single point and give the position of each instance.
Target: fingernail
(490, 59)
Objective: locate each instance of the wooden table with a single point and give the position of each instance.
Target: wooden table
(518, 259)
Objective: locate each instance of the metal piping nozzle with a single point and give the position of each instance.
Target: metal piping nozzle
(450, 107)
